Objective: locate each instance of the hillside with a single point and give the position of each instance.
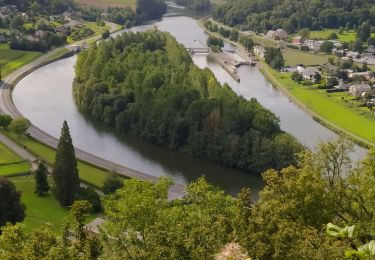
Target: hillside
(260, 15)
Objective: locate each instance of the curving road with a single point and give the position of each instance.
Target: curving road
(7, 107)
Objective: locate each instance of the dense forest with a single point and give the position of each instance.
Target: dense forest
(291, 15)
(50, 6)
(146, 84)
(195, 4)
(322, 209)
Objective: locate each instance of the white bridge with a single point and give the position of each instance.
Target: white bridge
(203, 50)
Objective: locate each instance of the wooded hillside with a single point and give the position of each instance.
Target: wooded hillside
(291, 15)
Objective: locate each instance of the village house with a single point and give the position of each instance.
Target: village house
(282, 34)
(297, 41)
(94, 226)
(353, 54)
(371, 49)
(31, 38)
(271, 34)
(39, 34)
(309, 73)
(342, 85)
(260, 51)
(278, 34)
(8, 10)
(312, 44)
(67, 16)
(358, 89)
(336, 43)
(360, 75)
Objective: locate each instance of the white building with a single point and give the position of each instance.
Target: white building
(357, 90)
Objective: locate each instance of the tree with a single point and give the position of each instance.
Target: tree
(196, 228)
(370, 41)
(11, 208)
(20, 125)
(41, 182)
(274, 58)
(247, 42)
(65, 172)
(112, 183)
(317, 77)
(364, 31)
(326, 47)
(42, 244)
(90, 195)
(106, 34)
(297, 77)
(5, 121)
(341, 30)
(332, 81)
(333, 36)
(304, 33)
(357, 45)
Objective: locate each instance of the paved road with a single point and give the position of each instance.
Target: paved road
(7, 106)
(17, 148)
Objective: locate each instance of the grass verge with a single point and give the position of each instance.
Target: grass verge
(11, 163)
(87, 173)
(41, 211)
(325, 108)
(10, 60)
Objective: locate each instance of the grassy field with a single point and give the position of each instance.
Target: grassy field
(11, 60)
(264, 41)
(345, 37)
(11, 163)
(328, 106)
(108, 3)
(43, 211)
(294, 57)
(87, 173)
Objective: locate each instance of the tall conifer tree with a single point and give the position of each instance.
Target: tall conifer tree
(65, 172)
(41, 182)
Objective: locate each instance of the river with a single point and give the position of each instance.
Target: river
(45, 97)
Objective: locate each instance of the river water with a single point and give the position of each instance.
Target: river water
(45, 97)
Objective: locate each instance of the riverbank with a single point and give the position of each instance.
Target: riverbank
(227, 62)
(98, 167)
(360, 135)
(327, 114)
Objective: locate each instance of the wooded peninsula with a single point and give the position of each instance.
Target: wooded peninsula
(146, 84)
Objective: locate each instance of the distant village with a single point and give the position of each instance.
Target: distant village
(40, 33)
(342, 73)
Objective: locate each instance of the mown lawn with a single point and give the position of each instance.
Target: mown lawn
(11, 60)
(294, 57)
(324, 34)
(12, 169)
(328, 107)
(108, 3)
(41, 211)
(264, 41)
(87, 173)
(11, 163)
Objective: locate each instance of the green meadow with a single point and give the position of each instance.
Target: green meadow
(11, 60)
(329, 107)
(41, 211)
(11, 163)
(87, 173)
(295, 57)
